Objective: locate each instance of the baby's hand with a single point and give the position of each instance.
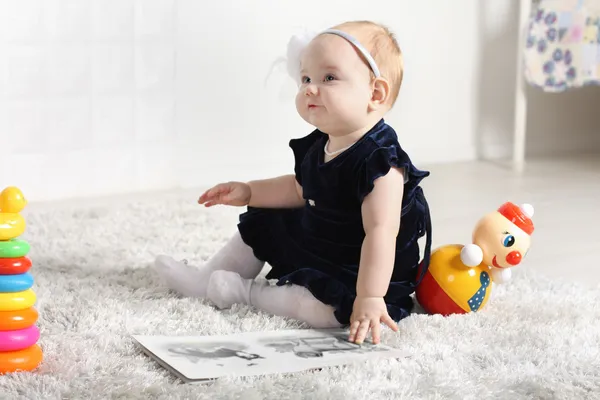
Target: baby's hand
(368, 313)
(229, 193)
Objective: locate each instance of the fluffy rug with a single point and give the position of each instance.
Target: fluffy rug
(538, 339)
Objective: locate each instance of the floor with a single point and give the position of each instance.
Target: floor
(563, 192)
(539, 339)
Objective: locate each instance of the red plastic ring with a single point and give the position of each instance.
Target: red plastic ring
(14, 266)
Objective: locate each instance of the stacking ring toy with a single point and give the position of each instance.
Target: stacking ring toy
(19, 339)
(17, 300)
(21, 360)
(18, 319)
(15, 283)
(14, 248)
(14, 266)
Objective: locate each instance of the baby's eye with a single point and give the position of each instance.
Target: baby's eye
(305, 79)
(329, 77)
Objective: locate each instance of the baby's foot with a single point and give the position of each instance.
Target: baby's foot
(227, 288)
(181, 277)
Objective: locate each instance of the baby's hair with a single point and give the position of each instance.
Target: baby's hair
(384, 48)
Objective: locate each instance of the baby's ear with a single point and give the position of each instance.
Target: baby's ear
(380, 93)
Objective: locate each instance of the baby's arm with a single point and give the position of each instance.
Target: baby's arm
(280, 192)
(381, 212)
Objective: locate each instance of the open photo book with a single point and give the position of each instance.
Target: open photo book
(204, 358)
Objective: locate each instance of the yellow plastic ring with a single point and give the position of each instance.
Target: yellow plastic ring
(17, 300)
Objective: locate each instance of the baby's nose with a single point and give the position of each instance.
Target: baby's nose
(310, 90)
(513, 258)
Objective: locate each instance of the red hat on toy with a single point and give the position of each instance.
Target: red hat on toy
(520, 216)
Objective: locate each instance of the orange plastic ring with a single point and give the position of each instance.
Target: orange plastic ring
(22, 360)
(14, 266)
(18, 319)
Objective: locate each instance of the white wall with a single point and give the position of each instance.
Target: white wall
(104, 96)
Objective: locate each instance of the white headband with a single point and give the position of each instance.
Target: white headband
(297, 44)
(359, 47)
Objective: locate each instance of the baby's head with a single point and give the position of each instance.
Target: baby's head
(340, 92)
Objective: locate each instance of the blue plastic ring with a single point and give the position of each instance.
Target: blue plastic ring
(15, 283)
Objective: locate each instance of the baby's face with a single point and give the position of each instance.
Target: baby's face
(335, 86)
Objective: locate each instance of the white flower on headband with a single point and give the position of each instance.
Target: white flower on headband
(295, 47)
(298, 43)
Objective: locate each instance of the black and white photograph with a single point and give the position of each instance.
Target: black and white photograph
(201, 358)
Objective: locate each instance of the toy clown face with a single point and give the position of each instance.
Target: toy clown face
(504, 236)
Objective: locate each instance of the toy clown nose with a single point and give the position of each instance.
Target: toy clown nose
(520, 216)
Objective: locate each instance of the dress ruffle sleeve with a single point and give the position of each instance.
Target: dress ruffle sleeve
(379, 162)
(300, 148)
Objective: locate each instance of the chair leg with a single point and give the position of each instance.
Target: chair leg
(520, 116)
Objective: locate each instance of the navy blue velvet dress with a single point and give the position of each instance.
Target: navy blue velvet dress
(318, 245)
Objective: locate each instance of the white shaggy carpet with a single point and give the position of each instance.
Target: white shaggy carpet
(538, 339)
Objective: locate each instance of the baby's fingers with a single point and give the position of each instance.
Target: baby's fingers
(204, 197)
(353, 331)
(213, 193)
(362, 332)
(390, 322)
(375, 331)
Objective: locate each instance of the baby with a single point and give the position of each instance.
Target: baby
(341, 232)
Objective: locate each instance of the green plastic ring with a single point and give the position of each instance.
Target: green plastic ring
(13, 248)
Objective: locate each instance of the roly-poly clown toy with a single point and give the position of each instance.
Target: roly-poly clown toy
(459, 278)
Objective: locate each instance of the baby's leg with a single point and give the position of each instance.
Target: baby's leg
(192, 281)
(293, 301)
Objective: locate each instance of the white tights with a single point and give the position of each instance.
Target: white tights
(229, 278)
